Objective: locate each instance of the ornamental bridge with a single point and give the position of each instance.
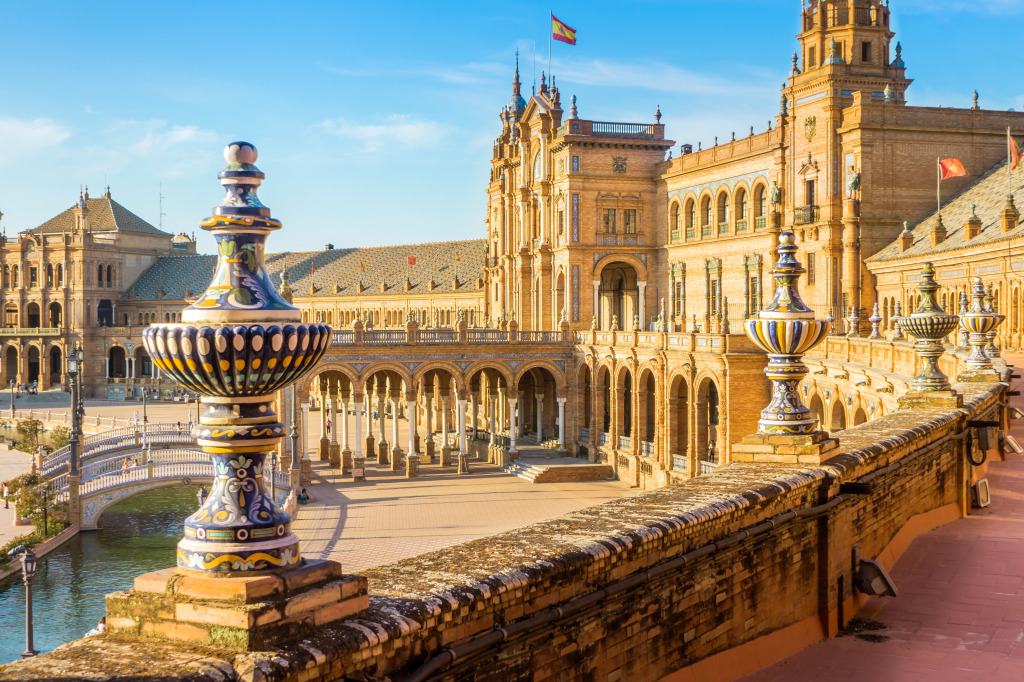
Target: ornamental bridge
(160, 455)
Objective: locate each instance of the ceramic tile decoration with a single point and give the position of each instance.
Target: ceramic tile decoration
(929, 324)
(237, 345)
(786, 329)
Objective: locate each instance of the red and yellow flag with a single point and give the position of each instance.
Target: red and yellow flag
(1016, 154)
(411, 260)
(951, 168)
(362, 268)
(563, 32)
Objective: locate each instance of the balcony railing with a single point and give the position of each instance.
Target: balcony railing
(437, 336)
(625, 442)
(604, 438)
(707, 467)
(343, 338)
(384, 337)
(631, 129)
(690, 233)
(29, 331)
(680, 463)
(486, 336)
(760, 222)
(741, 225)
(723, 228)
(647, 447)
(675, 235)
(585, 434)
(705, 230)
(805, 215)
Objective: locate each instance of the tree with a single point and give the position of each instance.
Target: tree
(29, 430)
(60, 437)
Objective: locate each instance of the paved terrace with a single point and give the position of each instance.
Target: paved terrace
(960, 613)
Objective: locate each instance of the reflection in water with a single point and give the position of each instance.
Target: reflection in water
(68, 591)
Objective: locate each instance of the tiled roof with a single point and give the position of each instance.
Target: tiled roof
(176, 275)
(105, 215)
(988, 195)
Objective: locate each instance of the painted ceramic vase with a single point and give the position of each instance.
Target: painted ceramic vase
(236, 346)
(978, 322)
(785, 330)
(929, 324)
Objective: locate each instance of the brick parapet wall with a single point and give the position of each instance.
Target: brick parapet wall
(795, 572)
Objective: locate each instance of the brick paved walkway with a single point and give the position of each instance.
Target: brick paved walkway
(960, 613)
(390, 517)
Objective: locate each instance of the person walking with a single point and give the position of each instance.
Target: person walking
(7, 492)
(328, 426)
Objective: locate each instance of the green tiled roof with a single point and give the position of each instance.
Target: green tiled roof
(181, 275)
(988, 195)
(105, 215)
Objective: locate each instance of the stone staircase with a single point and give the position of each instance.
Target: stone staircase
(555, 472)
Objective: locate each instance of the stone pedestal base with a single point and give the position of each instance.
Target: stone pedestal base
(938, 399)
(382, 452)
(325, 449)
(346, 461)
(306, 473)
(978, 375)
(359, 469)
(429, 451)
(370, 447)
(396, 459)
(335, 456)
(237, 613)
(446, 457)
(412, 467)
(463, 463)
(811, 449)
(419, 447)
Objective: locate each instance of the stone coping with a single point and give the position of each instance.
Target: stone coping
(482, 578)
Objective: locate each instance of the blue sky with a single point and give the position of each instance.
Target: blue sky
(375, 120)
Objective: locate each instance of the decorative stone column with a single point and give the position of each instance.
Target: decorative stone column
(787, 431)
(463, 467)
(446, 451)
(396, 450)
(512, 423)
(979, 322)
(540, 418)
(323, 450)
(346, 452)
(240, 581)
(929, 325)
(335, 447)
(561, 425)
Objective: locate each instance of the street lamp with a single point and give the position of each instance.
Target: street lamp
(73, 372)
(12, 399)
(81, 397)
(28, 567)
(145, 395)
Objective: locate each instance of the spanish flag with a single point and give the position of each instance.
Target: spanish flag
(1015, 151)
(951, 168)
(563, 32)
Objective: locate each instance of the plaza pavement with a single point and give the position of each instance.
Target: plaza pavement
(960, 612)
(389, 517)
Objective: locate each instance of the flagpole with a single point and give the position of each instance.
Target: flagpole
(938, 184)
(551, 22)
(1009, 160)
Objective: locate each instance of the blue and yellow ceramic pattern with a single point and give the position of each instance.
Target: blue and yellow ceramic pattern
(238, 344)
(785, 330)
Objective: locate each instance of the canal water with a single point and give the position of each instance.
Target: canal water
(139, 535)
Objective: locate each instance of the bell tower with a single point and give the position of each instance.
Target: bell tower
(847, 42)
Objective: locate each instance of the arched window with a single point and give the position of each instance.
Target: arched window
(741, 204)
(60, 274)
(705, 212)
(760, 201)
(536, 166)
(675, 221)
(49, 275)
(691, 218)
(110, 275)
(7, 276)
(99, 275)
(723, 212)
(14, 277)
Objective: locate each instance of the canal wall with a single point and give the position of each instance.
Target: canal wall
(41, 550)
(716, 576)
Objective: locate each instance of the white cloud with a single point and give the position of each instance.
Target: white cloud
(21, 137)
(166, 150)
(397, 131)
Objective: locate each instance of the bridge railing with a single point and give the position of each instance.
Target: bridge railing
(115, 439)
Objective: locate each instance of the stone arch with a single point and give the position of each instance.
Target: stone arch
(538, 388)
(708, 419)
(704, 213)
(740, 194)
(760, 196)
(33, 315)
(55, 358)
(11, 359)
(690, 212)
(722, 204)
(817, 408)
(585, 399)
(561, 302)
(557, 373)
(117, 361)
(677, 416)
(859, 417)
(647, 404)
(837, 421)
(448, 368)
(603, 387)
(496, 366)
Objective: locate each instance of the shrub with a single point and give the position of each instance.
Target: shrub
(60, 436)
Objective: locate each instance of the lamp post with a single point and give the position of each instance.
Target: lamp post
(28, 567)
(12, 399)
(76, 425)
(145, 417)
(81, 393)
